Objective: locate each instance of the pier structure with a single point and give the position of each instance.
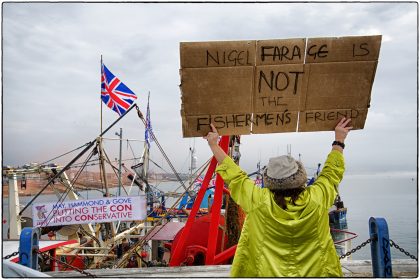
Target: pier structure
(402, 268)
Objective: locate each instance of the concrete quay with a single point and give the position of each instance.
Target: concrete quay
(402, 268)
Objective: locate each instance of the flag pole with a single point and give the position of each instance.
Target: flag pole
(100, 100)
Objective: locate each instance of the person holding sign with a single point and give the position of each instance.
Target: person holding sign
(286, 232)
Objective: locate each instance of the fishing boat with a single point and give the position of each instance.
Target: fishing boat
(196, 223)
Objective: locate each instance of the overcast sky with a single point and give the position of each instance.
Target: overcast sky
(51, 77)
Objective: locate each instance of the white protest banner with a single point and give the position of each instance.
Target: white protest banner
(107, 209)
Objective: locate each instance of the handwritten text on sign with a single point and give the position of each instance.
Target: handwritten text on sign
(282, 85)
(89, 211)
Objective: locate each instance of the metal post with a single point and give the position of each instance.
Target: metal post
(28, 247)
(14, 218)
(380, 249)
(119, 165)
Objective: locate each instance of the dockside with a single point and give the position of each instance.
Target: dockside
(401, 268)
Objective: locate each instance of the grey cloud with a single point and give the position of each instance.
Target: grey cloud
(51, 55)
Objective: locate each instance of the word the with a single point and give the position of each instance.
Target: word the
(227, 57)
(272, 101)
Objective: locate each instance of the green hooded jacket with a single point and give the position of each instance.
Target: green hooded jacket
(285, 243)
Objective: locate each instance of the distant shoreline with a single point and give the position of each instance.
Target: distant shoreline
(34, 188)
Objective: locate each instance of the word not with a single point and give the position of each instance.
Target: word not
(330, 115)
(278, 80)
(227, 57)
(280, 52)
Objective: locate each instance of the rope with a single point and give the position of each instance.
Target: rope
(114, 168)
(161, 149)
(68, 188)
(65, 153)
(132, 151)
(78, 164)
(158, 166)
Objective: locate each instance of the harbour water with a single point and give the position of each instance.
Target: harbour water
(392, 197)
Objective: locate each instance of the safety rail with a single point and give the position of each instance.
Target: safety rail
(379, 241)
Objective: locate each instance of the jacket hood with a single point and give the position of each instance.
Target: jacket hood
(303, 207)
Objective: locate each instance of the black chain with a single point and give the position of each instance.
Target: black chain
(393, 244)
(66, 264)
(356, 249)
(11, 255)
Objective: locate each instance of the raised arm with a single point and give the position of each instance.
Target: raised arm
(212, 138)
(324, 189)
(341, 131)
(242, 190)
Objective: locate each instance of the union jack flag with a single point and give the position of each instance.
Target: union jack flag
(114, 93)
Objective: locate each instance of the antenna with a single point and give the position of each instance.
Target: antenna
(193, 160)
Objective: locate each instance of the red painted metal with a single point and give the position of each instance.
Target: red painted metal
(50, 247)
(177, 257)
(192, 253)
(345, 232)
(225, 255)
(215, 213)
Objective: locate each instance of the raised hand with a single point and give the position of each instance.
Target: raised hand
(341, 130)
(213, 136)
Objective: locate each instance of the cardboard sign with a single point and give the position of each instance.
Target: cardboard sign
(89, 211)
(269, 86)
